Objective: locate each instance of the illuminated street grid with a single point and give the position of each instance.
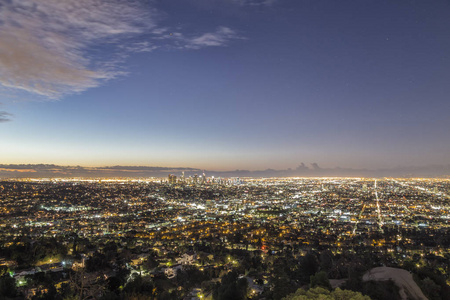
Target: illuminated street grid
(337, 212)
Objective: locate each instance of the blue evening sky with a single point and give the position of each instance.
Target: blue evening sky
(225, 84)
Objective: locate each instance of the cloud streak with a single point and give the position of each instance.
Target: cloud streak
(222, 36)
(44, 44)
(255, 2)
(4, 116)
(54, 48)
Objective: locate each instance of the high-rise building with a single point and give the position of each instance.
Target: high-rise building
(172, 179)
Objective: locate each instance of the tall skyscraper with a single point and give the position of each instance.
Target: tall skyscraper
(172, 179)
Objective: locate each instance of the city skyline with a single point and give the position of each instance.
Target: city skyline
(302, 170)
(225, 85)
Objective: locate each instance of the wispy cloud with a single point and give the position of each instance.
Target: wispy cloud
(44, 43)
(54, 48)
(4, 116)
(254, 2)
(215, 3)
(137, 47)
(220, 37)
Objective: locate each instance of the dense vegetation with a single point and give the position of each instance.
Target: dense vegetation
(219, 272)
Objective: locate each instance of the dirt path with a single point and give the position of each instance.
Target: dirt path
(402, 278)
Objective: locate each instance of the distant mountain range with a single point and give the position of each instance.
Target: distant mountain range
(303, 170)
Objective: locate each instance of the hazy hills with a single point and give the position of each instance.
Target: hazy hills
(303, 170)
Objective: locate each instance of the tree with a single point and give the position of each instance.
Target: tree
(7, 287)
(86, 285)
(430, 289)
(97, 262)
(326, 260)
(139, 286)
(114, 283)
(308, 266)
(3, 271)
(320, 279)
(320, 293)
(231, 288)
(381, 289)
(150, 263)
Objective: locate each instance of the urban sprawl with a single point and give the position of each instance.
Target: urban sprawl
(202, 237)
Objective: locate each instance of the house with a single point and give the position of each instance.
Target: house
(187, 258)
(171, 272)
(138, 259)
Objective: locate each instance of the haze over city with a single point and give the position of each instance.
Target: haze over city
(226, 84)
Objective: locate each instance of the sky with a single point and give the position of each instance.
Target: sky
(225, 84)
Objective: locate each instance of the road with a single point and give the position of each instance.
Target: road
(402, 278)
